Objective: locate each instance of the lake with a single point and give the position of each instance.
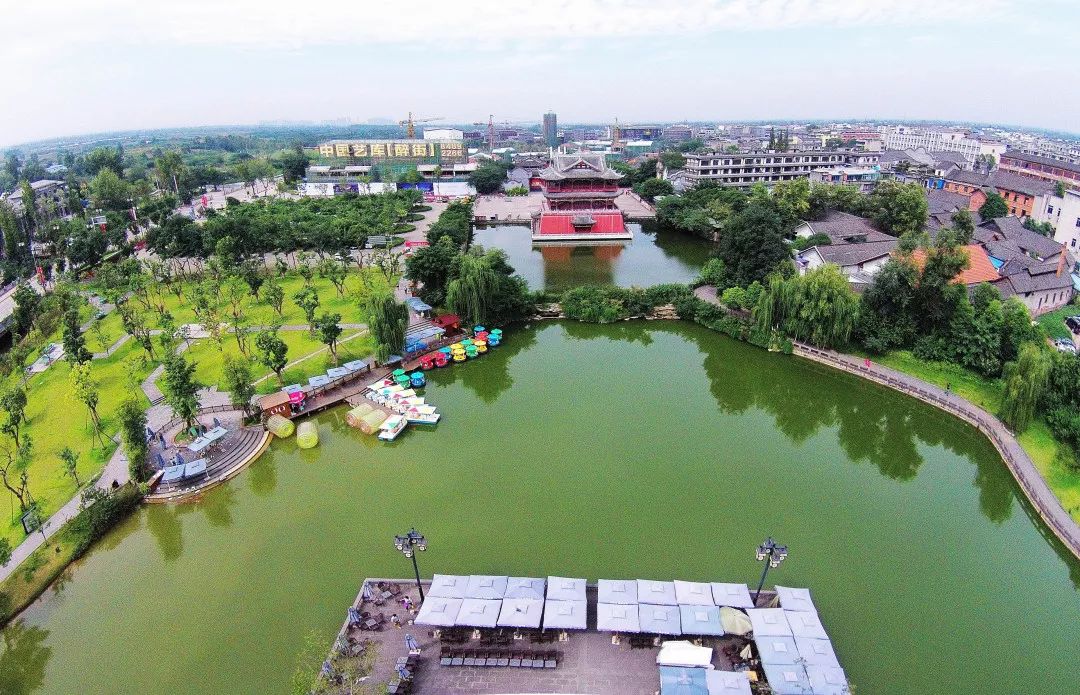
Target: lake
(658, 450)
(654, 256)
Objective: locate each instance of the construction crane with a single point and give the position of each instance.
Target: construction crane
(409, 124)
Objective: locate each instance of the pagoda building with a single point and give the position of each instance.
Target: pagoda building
(579, 201)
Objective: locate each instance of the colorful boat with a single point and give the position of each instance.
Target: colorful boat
(471, 352)
(459, 356)
(392, 427)
(481, 346)
(442, 359)
(415, 416)
(418, 379)
(281, 427)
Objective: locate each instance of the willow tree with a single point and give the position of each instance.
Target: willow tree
(1025, 381)
(387, 319)
(472, 293)
(818, 307)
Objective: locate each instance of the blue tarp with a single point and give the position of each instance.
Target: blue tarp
(700, 620)
(678, 680)
(417, 304)
(197, 467)
(173, 474)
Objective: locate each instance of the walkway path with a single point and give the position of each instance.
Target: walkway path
(1023, 469)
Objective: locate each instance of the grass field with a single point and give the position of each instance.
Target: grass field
(1037, 441)
(1054, 321)
(56, 418)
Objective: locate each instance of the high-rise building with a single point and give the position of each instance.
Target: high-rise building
(551, 130)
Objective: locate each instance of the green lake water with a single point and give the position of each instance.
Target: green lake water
(657, 450)
(654, 256)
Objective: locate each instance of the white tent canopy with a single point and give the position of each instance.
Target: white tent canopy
(700, 620)
(805, 624)
(621, 591)
(827, 680)
(816, 651)
(656, 593)
(734, 595)
(521, 612)
(438, 610)
(682, 653)
(524, 587)
(769, 622)
(564, 615)
(777, 650)
(734, 621)
(616, 617)
(565, 589)
(727, 682)
(787, 679)
(693, 593)
(660, 620)
(486, 587)
(448, 586)
(478, 612)
(795, 599)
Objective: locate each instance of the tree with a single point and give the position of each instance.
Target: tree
(13, 403)
(86, 390)
(307, 298)
(1025, 382)
(102, 158)
(994, 207)
(169, 166)
(429, 268)
(132, 417)
(672, 160)
(651, 189)
(275, 296)
(886, 313)
(335, 272)
(818, 307)
(273, 352)
(181, 388)
(5, 552)
(964, 225)
(14, 460)
(74, 341)
(752, 244)
(487, 178)
(792, 201)
(472, 292)
(328, 329)
(388, 320)
(70, 461)
(293, 163)
(27, 302)
(109, 192)
(899, 208)
(135, 324)
(237, 375)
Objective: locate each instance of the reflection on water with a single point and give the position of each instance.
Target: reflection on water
(23, 659)
(652, 257)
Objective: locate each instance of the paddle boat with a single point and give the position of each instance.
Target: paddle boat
(442, 359)
(415, 416)
(459, 356)
(418, 379)
(481, 346)
(392, 427)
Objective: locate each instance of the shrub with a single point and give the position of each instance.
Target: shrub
(102, 510)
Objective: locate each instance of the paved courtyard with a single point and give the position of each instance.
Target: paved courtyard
(588, 662)
(503, 208)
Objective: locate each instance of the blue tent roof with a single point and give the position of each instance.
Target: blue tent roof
(679, 680)
(700, 620)
(418, 304)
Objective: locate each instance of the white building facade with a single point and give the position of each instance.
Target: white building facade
(905, 138)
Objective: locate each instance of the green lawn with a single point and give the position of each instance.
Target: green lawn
(1037, 441)
(1054, 321)
(211, 359)
(260, 311)
(56, 418)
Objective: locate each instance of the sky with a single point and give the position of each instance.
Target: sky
(83, 66)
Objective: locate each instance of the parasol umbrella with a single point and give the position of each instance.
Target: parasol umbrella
(734, 621)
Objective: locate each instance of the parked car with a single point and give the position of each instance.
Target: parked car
(1065, 345)
(1073, 323)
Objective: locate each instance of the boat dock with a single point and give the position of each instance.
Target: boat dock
(491, 634)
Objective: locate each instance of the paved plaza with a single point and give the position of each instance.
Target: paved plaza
(502, 208)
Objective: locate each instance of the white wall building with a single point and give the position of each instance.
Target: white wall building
(1066, 220)
(905, 138)
(443, 134)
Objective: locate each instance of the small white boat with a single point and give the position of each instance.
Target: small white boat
(407, 393)
(415, 416)
(392, 427)
(415, 400)
(424, 409)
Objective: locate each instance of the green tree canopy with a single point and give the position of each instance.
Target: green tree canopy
(994, 207)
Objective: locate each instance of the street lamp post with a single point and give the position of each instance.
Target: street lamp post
(772, 554)
(408, 545)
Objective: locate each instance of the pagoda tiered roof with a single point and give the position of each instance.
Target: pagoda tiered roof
(581, 165)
